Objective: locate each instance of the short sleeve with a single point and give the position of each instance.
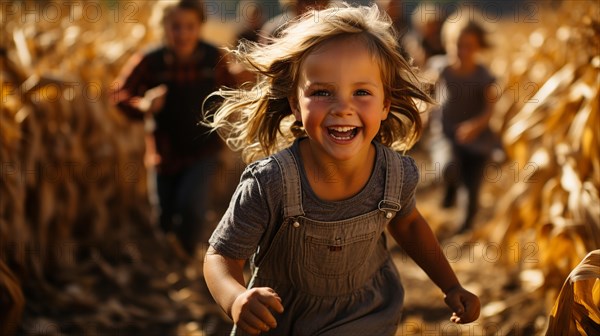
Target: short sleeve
(409, 186)
(247, 218)
(243, 224)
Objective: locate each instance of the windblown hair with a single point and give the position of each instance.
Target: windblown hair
(257, 118)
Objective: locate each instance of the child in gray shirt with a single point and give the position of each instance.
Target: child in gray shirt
(311, 216)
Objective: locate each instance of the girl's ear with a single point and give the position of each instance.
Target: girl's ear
(387, 103)
(293, 101)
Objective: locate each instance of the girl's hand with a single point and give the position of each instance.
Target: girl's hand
(251, 310)
(464, 304)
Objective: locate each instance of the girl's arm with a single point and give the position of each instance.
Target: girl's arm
(414, 235)
(224, 278)
(249, 309)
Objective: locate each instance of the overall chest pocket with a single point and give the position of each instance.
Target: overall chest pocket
(336, 256)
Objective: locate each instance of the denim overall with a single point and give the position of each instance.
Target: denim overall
(334, 278)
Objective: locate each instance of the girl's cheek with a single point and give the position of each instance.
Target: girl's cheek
(315, 103)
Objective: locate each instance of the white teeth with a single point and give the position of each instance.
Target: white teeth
(342, 132)
(341, 138)
(342, 129)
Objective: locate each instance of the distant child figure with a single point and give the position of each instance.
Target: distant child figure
(424, 41)
(467, 104)
(311, 217)
(178, 77)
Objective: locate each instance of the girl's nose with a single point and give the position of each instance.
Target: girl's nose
(342, 107)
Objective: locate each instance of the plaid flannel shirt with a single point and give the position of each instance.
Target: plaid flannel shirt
(179, 140)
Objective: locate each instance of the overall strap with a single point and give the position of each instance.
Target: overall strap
(292, 191)
(394, 180)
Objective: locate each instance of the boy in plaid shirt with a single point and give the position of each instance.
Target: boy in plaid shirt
(178, 77)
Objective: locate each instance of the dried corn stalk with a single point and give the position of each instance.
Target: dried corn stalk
(555, 131)
(76, 227)
(12, 300)
(577, 308)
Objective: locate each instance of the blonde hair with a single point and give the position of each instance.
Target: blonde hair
(257, 118)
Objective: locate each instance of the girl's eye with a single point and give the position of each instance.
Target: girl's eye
(362, 93)
(320, 93)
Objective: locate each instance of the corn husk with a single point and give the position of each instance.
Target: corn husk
(78, 233)
(554, 131)
(576, 311)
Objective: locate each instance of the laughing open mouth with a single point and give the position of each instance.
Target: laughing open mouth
(342, 132)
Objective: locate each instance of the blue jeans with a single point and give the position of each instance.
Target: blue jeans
(184, 200)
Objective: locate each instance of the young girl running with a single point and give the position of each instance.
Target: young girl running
(311, 217)
(466, 87)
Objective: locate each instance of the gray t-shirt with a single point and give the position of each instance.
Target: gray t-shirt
(256, 208)
(463, 97)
